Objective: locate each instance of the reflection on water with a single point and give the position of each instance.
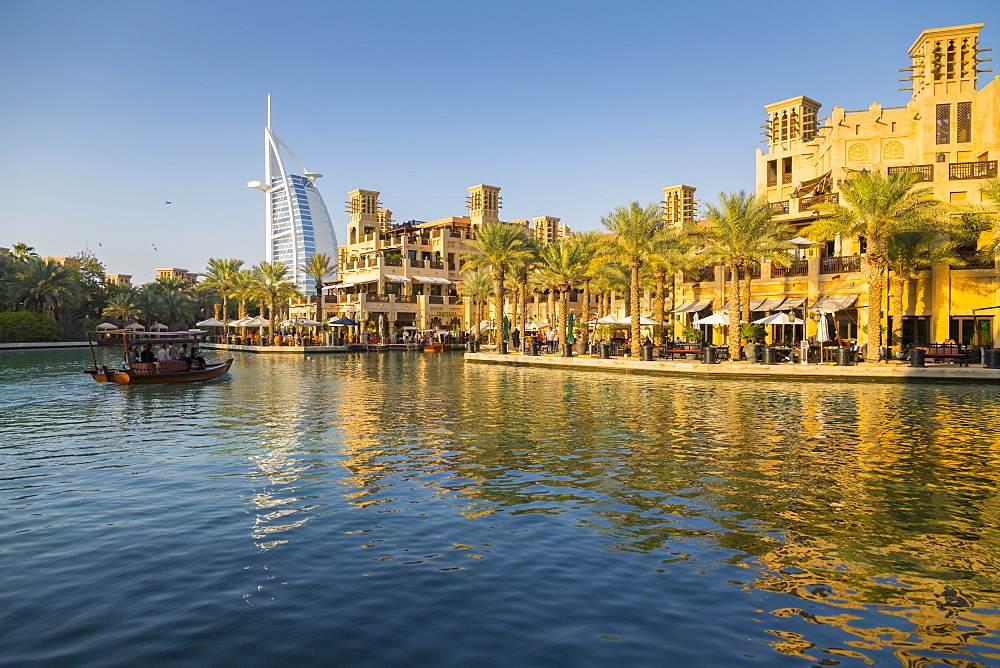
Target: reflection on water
(546, 515)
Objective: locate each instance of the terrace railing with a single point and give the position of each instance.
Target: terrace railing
(986, 169)
(833, 265)
(926, 172)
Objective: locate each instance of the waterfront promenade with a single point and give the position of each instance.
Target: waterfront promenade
(281, 350)
(892, 371)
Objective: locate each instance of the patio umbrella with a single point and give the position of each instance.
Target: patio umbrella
(299, 321)
(714, 319)
(255, 321)
(211, 322)
(644, 321)
(779, 319)
(535, 326)
(107, 325)
(609, 320)
(345, 322)
(135, 325)
(238, 323)
(823, 334)
(158, 327)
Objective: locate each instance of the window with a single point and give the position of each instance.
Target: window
(963, 122)
(957, 197)
(772, 173)
(857, 130)
(892, 126)
(786, 170)
(943, 124)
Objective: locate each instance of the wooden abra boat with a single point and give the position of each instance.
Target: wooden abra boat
(192, 370)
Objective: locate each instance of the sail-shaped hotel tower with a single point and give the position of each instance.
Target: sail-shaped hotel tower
(297, 222)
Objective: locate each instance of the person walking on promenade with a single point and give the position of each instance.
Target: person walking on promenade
(515, 338)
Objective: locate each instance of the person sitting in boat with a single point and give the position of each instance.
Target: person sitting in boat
(182, 353)
(164, 354)
(172, 352)
(133, 356)
(146, 355)
(196, 360)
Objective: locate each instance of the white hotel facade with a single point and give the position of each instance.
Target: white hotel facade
(297, 224)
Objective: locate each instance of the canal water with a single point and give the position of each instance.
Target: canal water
(411, 509)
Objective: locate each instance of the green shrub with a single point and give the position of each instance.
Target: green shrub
(752, 332)
(26, 327)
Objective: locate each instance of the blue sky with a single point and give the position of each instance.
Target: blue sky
(573, 108)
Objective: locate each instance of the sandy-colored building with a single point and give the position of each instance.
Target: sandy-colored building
(175, 272)
(948, 133)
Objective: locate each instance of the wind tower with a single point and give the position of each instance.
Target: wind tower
(679, 206)
(484, 204)
(297, 223)
(363, 206)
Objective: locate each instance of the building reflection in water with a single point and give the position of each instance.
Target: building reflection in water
(873, 507)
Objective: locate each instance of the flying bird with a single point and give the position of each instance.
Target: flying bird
(154, 246)
(167, 202)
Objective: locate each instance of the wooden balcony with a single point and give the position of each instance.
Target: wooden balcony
(987, 169)
(406, 299)
(807, 203)
(779, 208)
(393, 262)
(800, 268)
(833, 265)
(925, 172)
(435, 299)
(372, 297)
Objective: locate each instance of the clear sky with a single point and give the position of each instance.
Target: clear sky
(572, 108)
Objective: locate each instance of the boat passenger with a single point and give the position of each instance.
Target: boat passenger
(146, 355)
(197, 361)
(182, 353)
(164, 354)
(172, 352)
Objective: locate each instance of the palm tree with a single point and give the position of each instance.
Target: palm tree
(46, 287)
(500, 245)
(164, 284)
(562, 265)
(176, 308)
(122, 304)
(220, 275)
(593, 248)
(245, 288)
(907, 252)
(319, 267)
(274, 287)
(477, 285)
(22, 251)
(149, 303)
(634, 226)
(671, 252)
(877, 207)
(742, 232)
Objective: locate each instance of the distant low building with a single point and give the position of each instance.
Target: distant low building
(174, 272)
(118, 279)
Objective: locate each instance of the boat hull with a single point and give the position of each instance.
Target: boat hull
(128, 377)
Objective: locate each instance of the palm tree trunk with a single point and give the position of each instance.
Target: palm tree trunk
(561, 314)
(498, 304)
(585, 314)
(734, 313)
(876, 290)
(745, 305)
(660, 276)
(319, 301)
(634, 267)
(898, 286)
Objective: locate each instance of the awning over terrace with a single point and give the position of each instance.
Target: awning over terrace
(833, 303)
(693, 306)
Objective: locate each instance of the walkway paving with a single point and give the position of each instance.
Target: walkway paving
(892, 371)
(40, 344)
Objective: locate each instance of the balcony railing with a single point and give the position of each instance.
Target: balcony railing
(809, 202)
(393, 262)
(754, 272)
(454, 300)
(435, 299)
(800, 268)
(987, 169)
(451, 266)
(926, 172)
(772, 180)
(372, 297)
(434, 264)
(778, 208)
(417, 264)
(975, 260)
(707, 274)
(832, 265)
(406, 299)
